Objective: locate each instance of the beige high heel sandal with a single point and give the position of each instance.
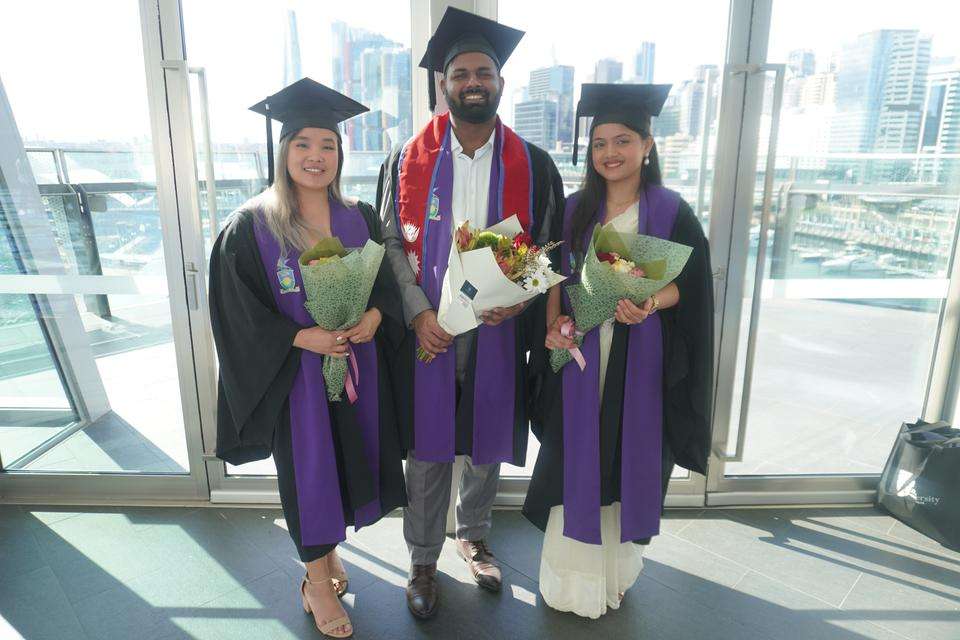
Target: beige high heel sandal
(338, 574)
(326, 628)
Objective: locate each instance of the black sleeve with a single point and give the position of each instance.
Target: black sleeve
(386, 294)
(688, 350)
(549, 206)
(258, 361)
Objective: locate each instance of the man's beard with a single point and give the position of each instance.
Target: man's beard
(473, 113)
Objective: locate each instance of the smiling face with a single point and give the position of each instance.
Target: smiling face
(472, 86)
(618, 151)
(312, 158)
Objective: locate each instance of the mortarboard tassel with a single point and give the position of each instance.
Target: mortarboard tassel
(432, 90)
(269, 152)
(576, 136)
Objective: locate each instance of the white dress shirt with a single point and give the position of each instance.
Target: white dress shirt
(471, 182)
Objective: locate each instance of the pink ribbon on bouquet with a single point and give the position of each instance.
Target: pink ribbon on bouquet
(349, 384)
(569, 330)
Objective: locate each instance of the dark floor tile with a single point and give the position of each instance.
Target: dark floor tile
(760, 546)
(35, 607)
(380, 611)
(268, 607)
(843, 542)
(688, 568)
(905, 609)
(749, 574)
(652, 610)
(903, 532)
(121, 614)
(777, 611)
(19, 551)
(675, 520)
(516, 542)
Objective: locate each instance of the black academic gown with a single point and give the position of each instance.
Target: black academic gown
(548, 203)
(258, 363)
(687, 382)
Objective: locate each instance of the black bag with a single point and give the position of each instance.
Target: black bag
(920, 485)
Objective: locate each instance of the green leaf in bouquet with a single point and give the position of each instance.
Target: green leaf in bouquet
(655, 269)
(607, 239)
(594, 299)
(337, 295)
(325, 248)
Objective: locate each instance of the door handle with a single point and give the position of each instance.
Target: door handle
(770, 167)
(193, 292)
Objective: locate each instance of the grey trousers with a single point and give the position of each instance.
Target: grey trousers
(428, 495)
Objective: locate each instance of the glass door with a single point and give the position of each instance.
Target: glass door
(642, 45)
(842, 242)
(362, 50)
(96, 371)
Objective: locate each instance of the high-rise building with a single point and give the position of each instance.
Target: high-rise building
(535, 121)
(375, 71)
(555, 83)
(643, 63)
(668, 122)
(801, 62)
(940, 124)
(690, 97)
(608, 70)
(818, 90)
(291, 51)
(880, 90)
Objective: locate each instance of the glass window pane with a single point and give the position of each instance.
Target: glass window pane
(865, 204)
(360, 49)
(643, 44)
(88, 373)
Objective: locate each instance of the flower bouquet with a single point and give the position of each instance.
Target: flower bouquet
(494, 267)
(337, 283)
(616, 266)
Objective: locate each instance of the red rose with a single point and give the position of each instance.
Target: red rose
(603, 256)
(521, 239)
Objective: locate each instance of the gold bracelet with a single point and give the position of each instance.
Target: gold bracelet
(656, 303)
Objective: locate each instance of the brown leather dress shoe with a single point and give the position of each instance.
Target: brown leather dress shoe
(483, 566)
(423, 593)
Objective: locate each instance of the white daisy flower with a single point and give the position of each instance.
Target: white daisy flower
(410, 231)
(544, 260)
(536, 282)
(414, 260)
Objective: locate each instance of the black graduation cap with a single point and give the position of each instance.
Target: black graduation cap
(630, 104)
(462, 32)
(305, 103)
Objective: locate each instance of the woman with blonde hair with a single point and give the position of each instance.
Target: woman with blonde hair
(338, 463)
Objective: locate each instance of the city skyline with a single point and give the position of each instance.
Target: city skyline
(375, 71)
(224, 88)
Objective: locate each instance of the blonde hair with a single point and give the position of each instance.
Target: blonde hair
(281, 208)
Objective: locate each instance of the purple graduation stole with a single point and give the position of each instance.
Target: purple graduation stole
(314, 457)
(642, 421)
(494, 389)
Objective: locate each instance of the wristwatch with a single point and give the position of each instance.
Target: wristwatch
(656, 304)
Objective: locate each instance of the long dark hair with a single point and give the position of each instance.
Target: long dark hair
(593, 192)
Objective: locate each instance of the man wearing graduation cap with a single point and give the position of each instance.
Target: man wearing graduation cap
(471, 397)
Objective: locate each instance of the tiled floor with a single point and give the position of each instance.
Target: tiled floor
(763, 574)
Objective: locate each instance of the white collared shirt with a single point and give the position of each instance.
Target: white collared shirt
(471, 182)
